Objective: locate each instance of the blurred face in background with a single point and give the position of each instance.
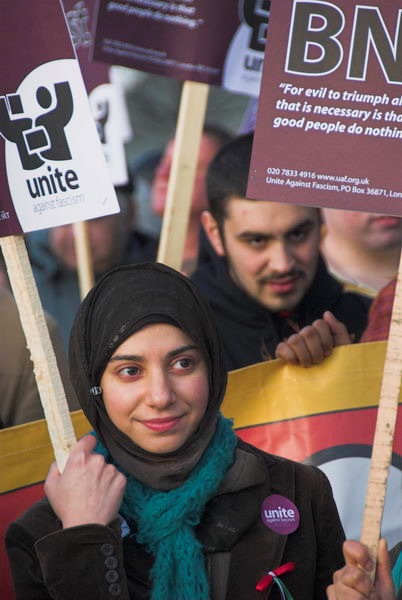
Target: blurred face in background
(107, 239)
(208, 148)
(370, 231)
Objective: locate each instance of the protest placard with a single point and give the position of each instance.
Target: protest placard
(47, 133)
(220, 43)
(328, 134)
(329, 124)
(52, 168)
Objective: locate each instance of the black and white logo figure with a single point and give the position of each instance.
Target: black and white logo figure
(78, 23)
(101, 114)
(245, 57)
(256, 15)
(42, 138)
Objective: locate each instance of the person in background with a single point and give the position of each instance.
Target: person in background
(361, 249)
(113, 241)
(353, 581)
(261, 270)
(4, 282)
(379, 321)
(169, 504)
(19, 396)
(212, 140)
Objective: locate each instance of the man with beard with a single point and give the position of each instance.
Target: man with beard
(260, 269)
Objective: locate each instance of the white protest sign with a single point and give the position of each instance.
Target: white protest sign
(49, 146)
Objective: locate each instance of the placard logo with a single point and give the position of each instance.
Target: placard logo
(256, 15)
(280, 514)
(55, 167)
(78, 19)
(43, 137)
(101, 115)
(78, 23)
(245, 57)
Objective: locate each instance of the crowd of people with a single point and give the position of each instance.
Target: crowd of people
(162, 500)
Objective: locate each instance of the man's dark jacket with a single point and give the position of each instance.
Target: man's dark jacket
(249, 331)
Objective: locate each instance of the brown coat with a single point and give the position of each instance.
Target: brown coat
(95, 562)
(19, 396)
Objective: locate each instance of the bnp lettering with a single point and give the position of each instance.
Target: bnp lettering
(314, 47)
(279, 513)
(53, 183)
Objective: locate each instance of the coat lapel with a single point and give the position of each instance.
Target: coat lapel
(232, 524)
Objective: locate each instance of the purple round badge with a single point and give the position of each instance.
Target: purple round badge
(280, 514)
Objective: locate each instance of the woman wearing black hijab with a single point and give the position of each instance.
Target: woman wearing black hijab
(170, 505)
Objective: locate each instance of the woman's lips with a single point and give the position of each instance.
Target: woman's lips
(161, 424)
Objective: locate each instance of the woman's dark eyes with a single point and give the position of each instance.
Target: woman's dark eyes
(183, 363)
(129, 371)
(180, 364)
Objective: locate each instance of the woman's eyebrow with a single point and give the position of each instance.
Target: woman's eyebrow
(185, 348)
(132, 357)
(139, 358)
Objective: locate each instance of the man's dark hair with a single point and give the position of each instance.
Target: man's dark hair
(228, 175)
(220, 135)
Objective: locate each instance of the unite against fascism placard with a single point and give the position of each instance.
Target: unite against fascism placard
(329, 125)
(220, 43)
(52, 169)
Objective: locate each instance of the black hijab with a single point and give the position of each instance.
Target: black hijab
(122, 302)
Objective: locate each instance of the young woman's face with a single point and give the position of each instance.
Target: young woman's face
(155, 388)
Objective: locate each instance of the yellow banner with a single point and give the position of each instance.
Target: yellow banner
(270, 392)
(26, 452)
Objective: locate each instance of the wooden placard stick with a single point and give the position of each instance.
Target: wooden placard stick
(190, 124)
(38, 340)
(385, 427)
(84, 260)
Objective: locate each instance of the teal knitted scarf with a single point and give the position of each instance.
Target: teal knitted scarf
(166, 519)
(397, 573)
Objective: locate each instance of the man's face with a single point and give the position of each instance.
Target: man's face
(369, 231)
(208, 148)
(271, 248)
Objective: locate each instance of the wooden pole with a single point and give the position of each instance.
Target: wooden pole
(181, 180)
(385, 428)
(38, 340)
(84, 260)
